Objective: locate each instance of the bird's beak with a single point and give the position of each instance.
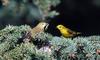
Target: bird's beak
(57, 27)
(46, 27)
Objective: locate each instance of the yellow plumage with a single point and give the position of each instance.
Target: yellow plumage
(66, 32)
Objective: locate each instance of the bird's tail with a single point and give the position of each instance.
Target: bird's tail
(78, 33)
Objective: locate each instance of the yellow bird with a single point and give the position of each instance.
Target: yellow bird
(66, 32)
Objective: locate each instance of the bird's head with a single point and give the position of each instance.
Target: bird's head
(43, 25)
(60, 27)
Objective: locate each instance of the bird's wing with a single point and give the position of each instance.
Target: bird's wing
(73, 32)
(70, 31)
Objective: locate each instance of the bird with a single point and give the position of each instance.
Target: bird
(40, 27)
(66, 32)
(31, 34)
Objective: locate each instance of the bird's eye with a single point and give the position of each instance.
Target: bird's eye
(60, 27)
(43, 24)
